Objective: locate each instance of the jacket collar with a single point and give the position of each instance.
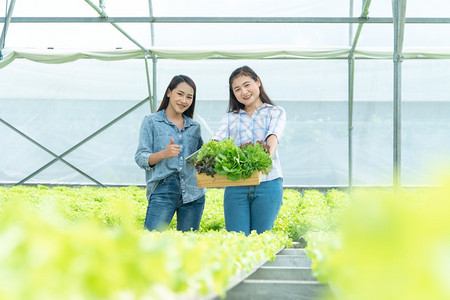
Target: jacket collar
(161, 116)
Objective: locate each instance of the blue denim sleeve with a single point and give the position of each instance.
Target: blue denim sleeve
(144, 148)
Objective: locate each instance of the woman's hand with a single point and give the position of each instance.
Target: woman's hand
(171, 150)
(272, 142)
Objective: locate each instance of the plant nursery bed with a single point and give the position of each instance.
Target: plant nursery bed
(217, 180)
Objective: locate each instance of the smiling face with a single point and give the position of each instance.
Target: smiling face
(246, 90)
(180, 98)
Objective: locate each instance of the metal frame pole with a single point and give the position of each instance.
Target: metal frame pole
(351, 81)
(103, 14)
(6, 25)
(155, 70)
(60, 157)
(57, 157)
(398, 8)
(149, 87)
(152, 29)
(154, 60)
(351, 72)
(255, 20)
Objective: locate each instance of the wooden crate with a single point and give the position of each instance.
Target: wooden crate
(204, 180)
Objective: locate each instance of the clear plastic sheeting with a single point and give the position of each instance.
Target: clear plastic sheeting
(65, 36)
(63, 106)
(258, 8)
(45, 8)
(84, 79)
(73, 92)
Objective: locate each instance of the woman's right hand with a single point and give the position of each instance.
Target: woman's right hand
(172, 150)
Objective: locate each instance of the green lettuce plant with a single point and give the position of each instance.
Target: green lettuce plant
(225, 158)
(46, 252)
(387, 245)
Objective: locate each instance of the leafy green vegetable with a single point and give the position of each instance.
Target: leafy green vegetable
(385, 236)
(73, 231)
(257, 158)
(51, 250)
(225, 158)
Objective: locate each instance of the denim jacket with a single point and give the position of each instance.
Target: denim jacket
(156, 131)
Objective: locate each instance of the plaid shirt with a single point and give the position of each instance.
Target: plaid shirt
(242, 128)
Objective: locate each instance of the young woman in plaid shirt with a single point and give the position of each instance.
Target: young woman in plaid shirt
(253, 117)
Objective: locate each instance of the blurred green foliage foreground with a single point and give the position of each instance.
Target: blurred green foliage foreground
(89, 243)
(389, 245)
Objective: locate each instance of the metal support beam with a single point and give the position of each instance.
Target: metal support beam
(102, 6)
(60, 157)
(147, 73)
(351, 72)
(350, 25)
(7, 20)
(398, 10)
(364, 14)
(287, 20)
(154, 65)
(104, 16)
(152, 29)
(154, 60)
(351, 80)
(57, 157)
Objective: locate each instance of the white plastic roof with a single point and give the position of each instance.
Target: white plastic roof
(48, 23)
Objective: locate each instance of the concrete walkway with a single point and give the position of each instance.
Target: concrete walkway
(289, 276)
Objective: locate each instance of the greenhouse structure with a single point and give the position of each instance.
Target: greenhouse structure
(362, 210)
(363, 84)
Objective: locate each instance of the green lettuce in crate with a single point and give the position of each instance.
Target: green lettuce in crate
(225, 158)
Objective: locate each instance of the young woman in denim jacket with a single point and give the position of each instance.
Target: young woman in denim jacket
(167, 137)
(253, 117)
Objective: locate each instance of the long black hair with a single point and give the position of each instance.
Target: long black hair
(176, 80)
(234, 105)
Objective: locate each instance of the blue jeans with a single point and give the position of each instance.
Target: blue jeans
(253, 207)
(166, 200)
